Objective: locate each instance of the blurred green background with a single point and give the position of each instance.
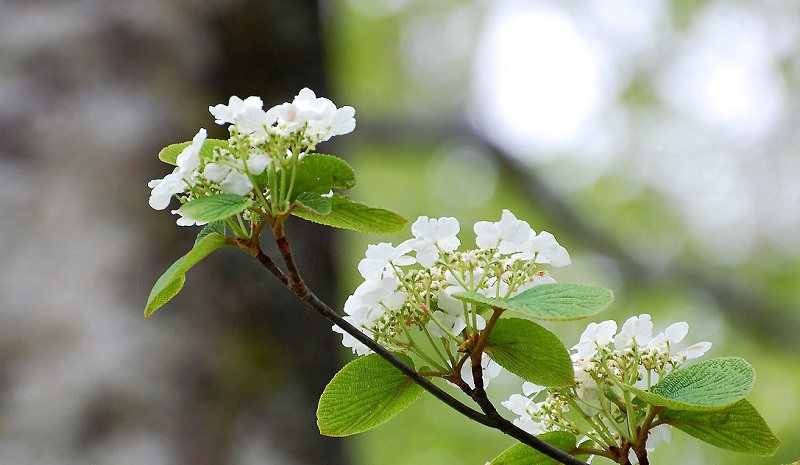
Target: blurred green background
(673, 205)
(655, 138)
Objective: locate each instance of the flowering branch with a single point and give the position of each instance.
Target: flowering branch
(490, 417)
(630, 395)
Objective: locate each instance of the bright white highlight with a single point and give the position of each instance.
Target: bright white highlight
(537, 81)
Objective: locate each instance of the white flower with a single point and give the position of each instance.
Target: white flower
(694, 350)
(380, 258)
(257, 162)
(189, 159)
(531, 390)
(319, 116)
(587, 389)
(517, 404)
(246, 114)
(381, 292)
(489, 367)
(672, 335)
(184, 220)
(164, 189)
(509, 234)
(180, 178)
(548, 250)
(369, 302)
(596, 335)
(525, 408)
(360, 314)
(529, 425)
(430, 233)
(539, 278)
(636, 330)
(659, 434)
(358, 347)
(494, 287)
(675, 333)
(231, 180)
(330, 121)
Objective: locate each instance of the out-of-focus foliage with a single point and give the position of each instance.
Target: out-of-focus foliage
(684, 184)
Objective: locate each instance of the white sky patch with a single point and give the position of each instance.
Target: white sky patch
(536, 80)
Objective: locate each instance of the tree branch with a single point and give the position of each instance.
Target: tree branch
(491, 419)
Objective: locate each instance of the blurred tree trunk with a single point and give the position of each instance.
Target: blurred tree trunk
(286, 353)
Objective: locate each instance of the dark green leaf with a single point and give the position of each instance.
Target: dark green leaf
(171, 282)
(169, 154)
(313, 203)
(367, 392)
(215, 207)
(215, 227)
(707, 385)
(738, 427)
(318, 174)
(530, 352)
(521, 454)
(549, 301)
(346, 214)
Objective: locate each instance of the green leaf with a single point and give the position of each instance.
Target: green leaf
(738, 427)
(530, 352)
(549, 301)
(522, 454)
(365, 393)
(171, 282)
(318, 174)
(708, 385)
(215, 227)
(215, 207)
(313, 203)
(355, 216)
(169, 154)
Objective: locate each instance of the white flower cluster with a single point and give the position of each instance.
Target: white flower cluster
(604, 360)
(258, 140)
(396, 297)
(638, 358)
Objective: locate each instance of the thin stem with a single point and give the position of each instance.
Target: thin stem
(484, 337)
(436, 347)
(238, 231)
(599, 427)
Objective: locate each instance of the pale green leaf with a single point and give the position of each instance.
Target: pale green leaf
(521, 454)
(355, 216)
(171, 282)
(169, 154)
(707, 385)
(215, 207)
(367, 392)
(738, 427)
(318, 174)
(530, 352)
(549, 301)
